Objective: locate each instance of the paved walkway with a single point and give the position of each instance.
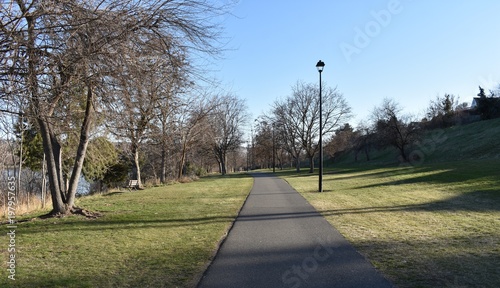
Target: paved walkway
(280, 240)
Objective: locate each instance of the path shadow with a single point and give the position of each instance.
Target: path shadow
(113, 193)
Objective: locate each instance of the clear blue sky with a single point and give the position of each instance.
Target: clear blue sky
(407, 50)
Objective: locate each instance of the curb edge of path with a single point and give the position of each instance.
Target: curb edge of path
(195, 282)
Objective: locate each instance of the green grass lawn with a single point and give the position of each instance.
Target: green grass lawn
(158, 237)
(435, 225)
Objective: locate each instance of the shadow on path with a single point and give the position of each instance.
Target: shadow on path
(280, 240)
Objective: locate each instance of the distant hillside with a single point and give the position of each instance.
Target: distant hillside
(479, 140)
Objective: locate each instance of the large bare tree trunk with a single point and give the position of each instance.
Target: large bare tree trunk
(311, 164)
(135, 152)
(223, 165)
(163, 168)
(63, 197)
(52, 150)
(43, 110)
(44, 180)
(82, 148)
(182, 160)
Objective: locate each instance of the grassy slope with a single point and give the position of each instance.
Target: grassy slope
(478, 140)
(435, 224)
(159, 237)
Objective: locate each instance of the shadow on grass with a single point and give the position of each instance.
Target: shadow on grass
(351, 173)
(239, 175)
(405, 268)
(454, 175)
(144, 268)
(410, 267)
(444, 173)
(121, 224)
(479, 201)
(465, 269)
(113, 193)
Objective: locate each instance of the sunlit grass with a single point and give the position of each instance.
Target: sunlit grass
(159, 237)
(429, 226)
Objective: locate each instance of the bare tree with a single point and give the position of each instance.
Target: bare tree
(264, 142)
(227, 120)
(301, 113)
(45, 45)
(286, 131)
(57, 51)
(269, 142)
(163, 127)
(191, 125)
(141, 84)
(364, 140)
(343, 140)
(395, 129)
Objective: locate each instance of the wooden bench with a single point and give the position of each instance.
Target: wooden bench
(132, 184)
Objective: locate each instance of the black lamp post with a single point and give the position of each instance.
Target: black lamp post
(320, 65)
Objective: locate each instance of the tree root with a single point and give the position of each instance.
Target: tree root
(73, 211)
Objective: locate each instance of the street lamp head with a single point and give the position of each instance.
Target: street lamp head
(320, 65)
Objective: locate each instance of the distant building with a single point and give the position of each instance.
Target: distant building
(486, 107)
(475, 102)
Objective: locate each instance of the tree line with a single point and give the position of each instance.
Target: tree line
(289, 134)
(293, 124)
(90, 87)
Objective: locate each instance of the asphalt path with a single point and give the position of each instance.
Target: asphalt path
(280, 240)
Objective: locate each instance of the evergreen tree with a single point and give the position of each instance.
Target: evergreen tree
(488, 107)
